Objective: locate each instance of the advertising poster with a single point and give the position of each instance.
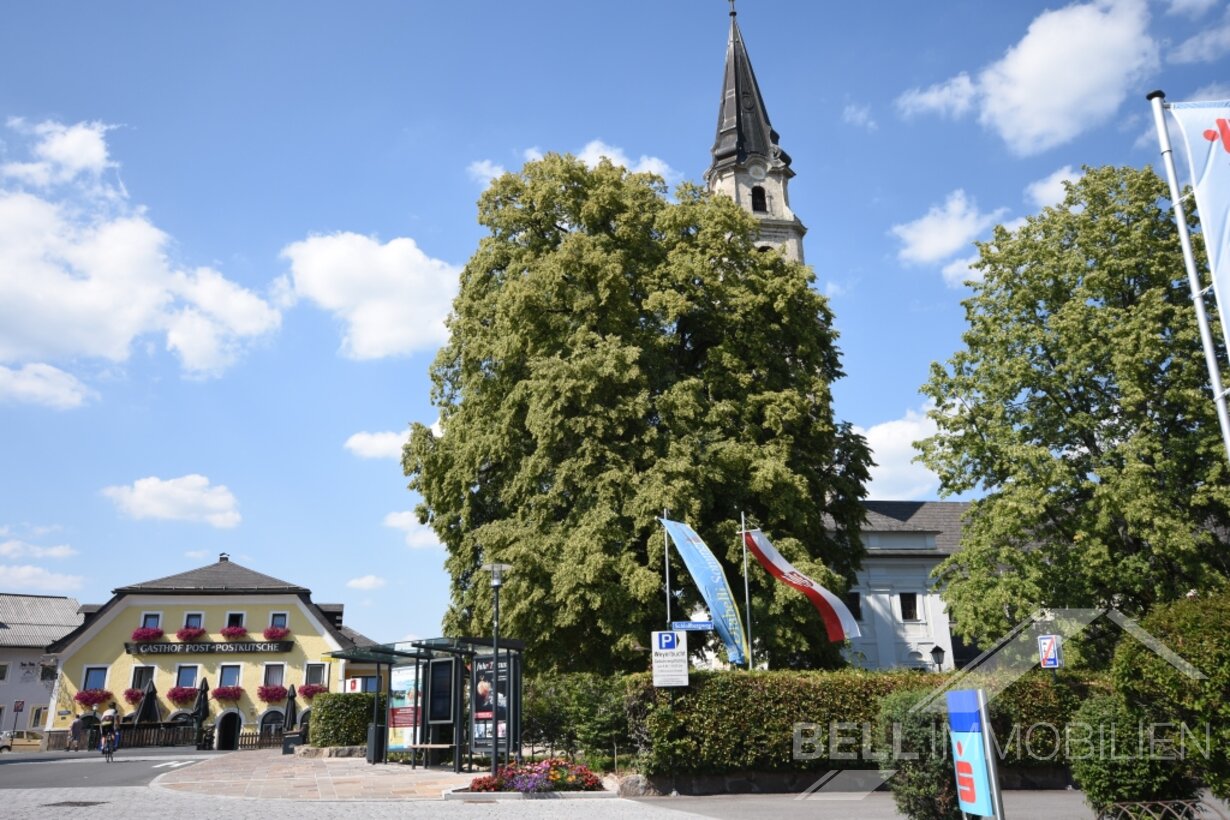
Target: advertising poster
(403, 708)
(489, 694)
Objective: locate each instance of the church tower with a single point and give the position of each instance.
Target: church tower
(748, 164)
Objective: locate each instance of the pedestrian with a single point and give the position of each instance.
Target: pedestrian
(74, 734)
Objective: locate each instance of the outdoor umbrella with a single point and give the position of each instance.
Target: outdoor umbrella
(292, 711)
(200, 710)
(147, 709)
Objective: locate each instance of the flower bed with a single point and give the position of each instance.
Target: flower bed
(91, 698)
(310, 690)
(133, 696)
(181, 695)
(190, 633)
(271, 694)
(276, 633)
(233, 632)
(231, 693)
(146, 633)
(554, 775)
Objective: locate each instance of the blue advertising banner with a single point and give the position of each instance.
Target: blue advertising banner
(965, 725)
(707, 573)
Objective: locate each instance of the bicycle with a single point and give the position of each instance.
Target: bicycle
(110, 741)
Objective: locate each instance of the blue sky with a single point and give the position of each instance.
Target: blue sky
(230, 233)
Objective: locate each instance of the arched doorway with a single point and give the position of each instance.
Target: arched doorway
(271, 725)
(304, 719)
(229, 725)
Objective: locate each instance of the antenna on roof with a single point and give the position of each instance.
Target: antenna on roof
(225, 556)
(732, 8)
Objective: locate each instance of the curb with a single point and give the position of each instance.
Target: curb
(497, 797)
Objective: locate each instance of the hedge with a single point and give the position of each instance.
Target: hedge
(341, 718)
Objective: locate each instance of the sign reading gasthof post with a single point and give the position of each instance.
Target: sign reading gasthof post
(670, 659)
(973, 754)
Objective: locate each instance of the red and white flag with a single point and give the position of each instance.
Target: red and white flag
(838, 620)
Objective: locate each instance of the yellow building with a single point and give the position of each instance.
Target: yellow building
(223, 623)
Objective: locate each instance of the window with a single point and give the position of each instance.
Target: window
(95, 677)
(273, 674)
(36, 717)
(317, 673)
(194, 620)
(854, 602)
(141, 676)
(909, 606)
(185, 676)
(758, 200)
(234, 619)
(228, 674)
(4, 672)
(49, 671)
(371, 683)
(271, 723)
(277, 619)
(151, 620)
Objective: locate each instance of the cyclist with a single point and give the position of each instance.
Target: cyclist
(108, 725)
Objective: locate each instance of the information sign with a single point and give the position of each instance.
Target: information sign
(1050, 651)
(670, 658)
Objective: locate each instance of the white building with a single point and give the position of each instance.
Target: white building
(27, 624)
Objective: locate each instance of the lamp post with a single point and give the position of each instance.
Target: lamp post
(497, 580)
(937, 657)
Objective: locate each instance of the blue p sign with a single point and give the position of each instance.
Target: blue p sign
(666, 640)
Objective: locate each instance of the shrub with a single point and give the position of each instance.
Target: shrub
(550, 775)
(1105, 773)
(924, 787)
(575, 711)
(341, 718)
(1195, 628)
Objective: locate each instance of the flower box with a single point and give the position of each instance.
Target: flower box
(228, 693)
(310, 690)
(146, 633)
(554, 775)
(91, 698)
(181, 695)
(133, 696)
(233, 632)
(271, 694)
(190, 633)
(276, 633)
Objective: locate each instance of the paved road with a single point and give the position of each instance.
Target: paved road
(135, 767)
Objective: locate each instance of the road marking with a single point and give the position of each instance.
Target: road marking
(174, 764)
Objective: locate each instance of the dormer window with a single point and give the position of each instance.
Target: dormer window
(759, 203)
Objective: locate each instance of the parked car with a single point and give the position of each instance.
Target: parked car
(20, 740)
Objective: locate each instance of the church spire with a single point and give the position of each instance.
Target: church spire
(748, 163)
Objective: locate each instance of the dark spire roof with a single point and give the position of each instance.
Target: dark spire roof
(743, 128)
(224, 576)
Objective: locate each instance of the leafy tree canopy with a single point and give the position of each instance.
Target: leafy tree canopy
(614, 354)
(1080, 405)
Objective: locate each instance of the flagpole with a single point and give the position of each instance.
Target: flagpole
(747, 593)
(666, 566)
(1156, 99)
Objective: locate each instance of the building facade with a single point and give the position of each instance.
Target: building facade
(249, 636)
(27, 624)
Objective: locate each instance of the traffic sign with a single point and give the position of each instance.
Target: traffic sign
(1050, 651)
(973, 756)
(692, 626)
(670, 658)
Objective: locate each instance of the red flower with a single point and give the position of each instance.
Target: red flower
(133, 696)
(232, 632)
(146, 633)
(310, 690)
(271, 694)
(90, 698)
(276, 633)
(190, 633)
(228, 692)
(181, 695)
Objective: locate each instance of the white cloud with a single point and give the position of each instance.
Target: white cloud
(1209, 45)
(895, 475)
(188, 498)
(377, 445)
(945, 229)
(483, 171)
(1069, 74)
(959, 271)
(366, 582)
(859, 115)
(84, 274)
(1049, 190)
(1191, 8)
(45, 385)
(20, 549)
(951, 98)
(198, 555)
(22, 577)
(393, 298)
(595, 150)
(418, 536)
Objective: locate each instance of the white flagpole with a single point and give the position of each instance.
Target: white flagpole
(1210, 357)
(747, 593)
(666, 566)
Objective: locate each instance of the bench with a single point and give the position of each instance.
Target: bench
(414, 748)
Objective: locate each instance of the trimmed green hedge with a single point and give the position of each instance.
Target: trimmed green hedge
(341, 718)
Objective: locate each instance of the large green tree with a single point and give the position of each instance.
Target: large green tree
(1080, 406)
(612, 354)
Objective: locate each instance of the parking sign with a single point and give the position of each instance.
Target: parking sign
(670, 659)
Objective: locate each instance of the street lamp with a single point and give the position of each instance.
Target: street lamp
(497, 580)
(937, 657)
